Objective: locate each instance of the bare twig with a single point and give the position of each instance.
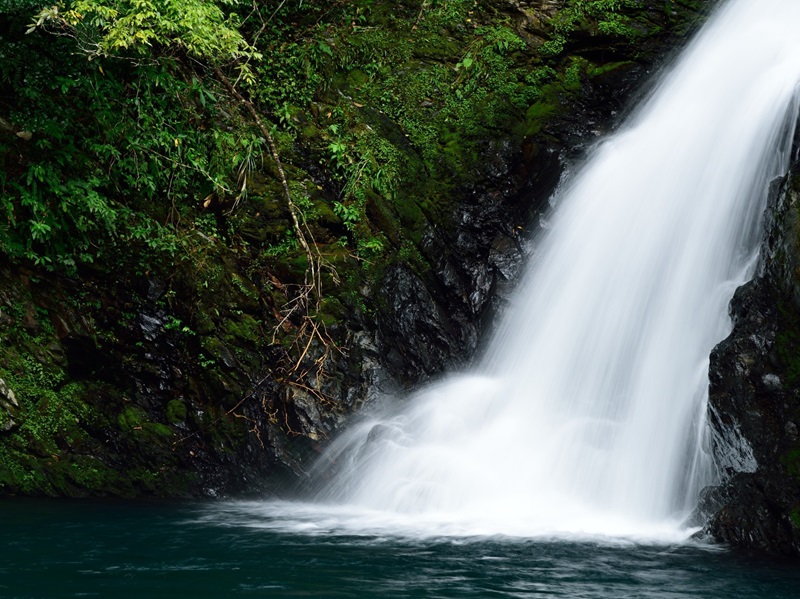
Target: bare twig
(315, 392)
(254, 428)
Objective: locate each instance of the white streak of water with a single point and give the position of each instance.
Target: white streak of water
(588, 415)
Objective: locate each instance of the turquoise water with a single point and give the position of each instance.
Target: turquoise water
(53, 549)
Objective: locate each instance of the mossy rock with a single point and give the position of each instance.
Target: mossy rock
(156, 431)
(243, 329)
(85, 472)
(131, 418)
(603, 70)
(437, 47)
(356, 78)
(176, 411)
(791, 460)
(538, 114)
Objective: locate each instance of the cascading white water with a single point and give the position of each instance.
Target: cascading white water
(587, 415)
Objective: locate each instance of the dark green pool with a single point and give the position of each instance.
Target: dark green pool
(53, 549)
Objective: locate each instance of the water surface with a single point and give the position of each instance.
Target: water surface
(55, 549)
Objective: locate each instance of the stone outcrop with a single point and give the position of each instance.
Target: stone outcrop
(754, 401)
(9, 408)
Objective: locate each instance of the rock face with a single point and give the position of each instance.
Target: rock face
(754, 401)
(9, 406)
(431, 321)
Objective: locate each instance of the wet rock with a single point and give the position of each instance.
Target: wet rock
(9, 408)
(749, 513)
(151, 325)
(7, 398)
(416, 335)
(754, 401)
(772, 382)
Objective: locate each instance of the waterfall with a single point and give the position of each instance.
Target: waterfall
(587, 415)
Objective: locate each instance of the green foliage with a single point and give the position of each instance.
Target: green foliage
(52, 201)
(173, 323)
(116, 154)
(201, 28)
(614, 18)
(125, 152)
(285, 247)
(53, 415)
(350, 215)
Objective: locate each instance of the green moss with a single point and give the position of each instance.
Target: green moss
(135, 421)
(70, 475)
(87, 473)
(791, 460)
(574, 73)
(148, 479)
(204, 323)
(19, 472)
(212, 346)
(244, 287)
(131, 418)
(176, 411)
(332, 309)
(243, 329)
(610, 67)
(794, 516)
(537, 115)
(227, 432)
(156, 431)
(49, 411)
(435, 47)
(357, 78)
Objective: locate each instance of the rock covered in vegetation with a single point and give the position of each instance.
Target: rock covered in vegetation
(183, 315)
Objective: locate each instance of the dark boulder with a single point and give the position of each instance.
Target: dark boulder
(754, 399)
